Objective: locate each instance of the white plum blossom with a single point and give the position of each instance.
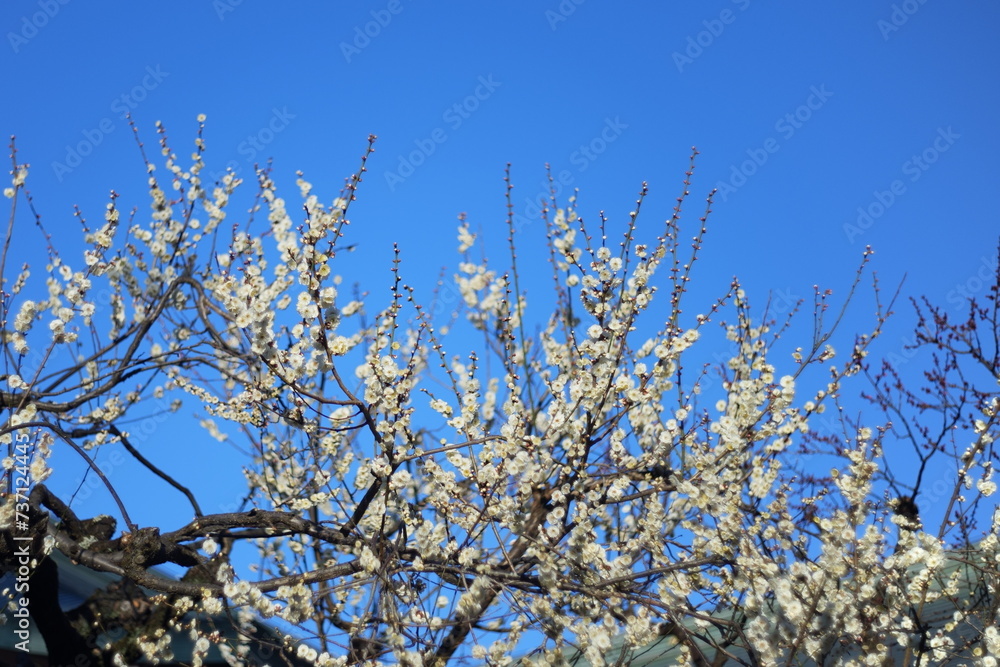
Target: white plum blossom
(468, 473)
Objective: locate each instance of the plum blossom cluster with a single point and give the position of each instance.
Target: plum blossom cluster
(587, 483)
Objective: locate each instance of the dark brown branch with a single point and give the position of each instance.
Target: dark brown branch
(155, 470)
(86, 457)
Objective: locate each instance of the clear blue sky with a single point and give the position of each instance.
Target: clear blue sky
(804, 113)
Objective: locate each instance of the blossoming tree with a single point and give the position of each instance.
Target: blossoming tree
(552, 494)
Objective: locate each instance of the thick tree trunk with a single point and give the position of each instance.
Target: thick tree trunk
(65, 645)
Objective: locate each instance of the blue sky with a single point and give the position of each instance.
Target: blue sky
(826, 127)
